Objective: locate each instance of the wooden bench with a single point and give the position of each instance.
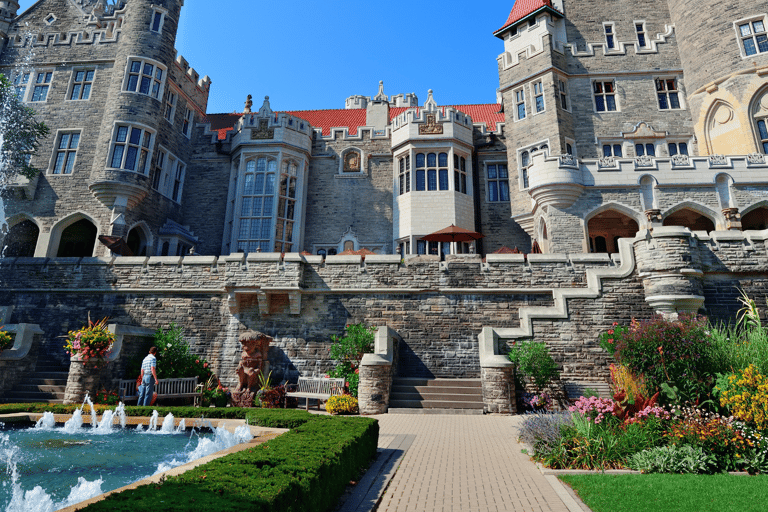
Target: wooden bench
(318, 388)
(186, 387)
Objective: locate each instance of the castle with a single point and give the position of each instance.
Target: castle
(615, 121)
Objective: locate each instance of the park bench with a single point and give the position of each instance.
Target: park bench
(186, 387)
(317, 388)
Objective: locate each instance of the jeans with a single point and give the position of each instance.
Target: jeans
(146, 390)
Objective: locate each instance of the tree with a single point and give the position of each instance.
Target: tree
(20, 133)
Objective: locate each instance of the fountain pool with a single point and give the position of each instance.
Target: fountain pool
(51, 467)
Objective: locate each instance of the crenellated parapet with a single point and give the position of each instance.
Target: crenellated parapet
(429, 124)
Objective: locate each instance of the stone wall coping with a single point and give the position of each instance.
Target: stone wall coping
(236, 257)
(383, 348)
(464, 258)
(490, 353)
(670, 231)
(420, 259)
(313, 260)
(263, 257)
(376, 259)
(505, 258)
(344, 260)
(590, 258)
(64, 261)
(717, 236)
(106, 261)
(547, 258)
(292, 257)
(22, 344)
(200, 260)
(164, 260)
(131, 260)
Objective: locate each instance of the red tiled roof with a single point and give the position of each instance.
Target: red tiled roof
(523, 8)
(352, 119)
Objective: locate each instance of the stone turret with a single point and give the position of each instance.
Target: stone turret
(8, 10)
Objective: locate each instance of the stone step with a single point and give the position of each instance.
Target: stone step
(35, 396)
(413, 410)
(469, 383)
(42, 388)
(454, 390)
(46, 382)
(434, 404)
(438, 396)
(51, 375)
(12, 400)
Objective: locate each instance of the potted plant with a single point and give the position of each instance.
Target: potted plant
(90, 344)
(214, 393)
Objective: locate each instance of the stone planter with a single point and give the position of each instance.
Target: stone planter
(83, 378)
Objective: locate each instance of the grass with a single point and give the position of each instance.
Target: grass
(671, 493)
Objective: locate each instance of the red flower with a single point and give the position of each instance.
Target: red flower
(610, 331)
(357, 370)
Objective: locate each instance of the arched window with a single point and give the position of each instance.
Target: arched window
(258, 196)
(137, 241)
(20, 241)
(286, 208)
(690, 219)
(77, 240)
(352, 161)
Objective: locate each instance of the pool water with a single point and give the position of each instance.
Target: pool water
(48, 468)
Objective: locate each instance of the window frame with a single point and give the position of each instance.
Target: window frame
(677, 143)
(753, 36)
(170, 116)
(641, 34)
(562, 92)
(609, 36)
(163, 13)
(520, 102)
(188, 122)
(497, 180)
(522, 175)
(68, 152)
(83, 83)
(22, 87)
(140, 74)
(612, 145)
(266, 223)
(537, 88)
(126, 144)
(404, 174)
(605, 95)
(667, 92)
(34, 84)
(645, 148)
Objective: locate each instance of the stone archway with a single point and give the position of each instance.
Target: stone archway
(605, 229)
(137, 241)
(21, 240)
(756, 219)
(690, 219)
(77, 240)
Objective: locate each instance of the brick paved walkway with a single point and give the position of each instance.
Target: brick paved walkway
(464, 463)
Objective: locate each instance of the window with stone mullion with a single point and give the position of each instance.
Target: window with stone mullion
(286, 208)
(66, 152)
(145, 78)
(754, 38)
(82, 83)
(255, 222)
(605, 96)
(498, 182)
(459, 174)
(131, 149)
(405, 175)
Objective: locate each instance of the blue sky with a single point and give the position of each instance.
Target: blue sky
(312, 55)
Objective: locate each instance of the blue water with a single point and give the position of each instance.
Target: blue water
(48, 468)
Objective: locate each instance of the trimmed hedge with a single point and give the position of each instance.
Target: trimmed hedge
(274, 418)
(306, 469)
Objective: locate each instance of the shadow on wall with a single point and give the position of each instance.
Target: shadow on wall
(410, 365)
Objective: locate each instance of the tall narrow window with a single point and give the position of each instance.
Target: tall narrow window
(605, 96)
(144, 77)
(520, 104)
(525, 163)
(641, 40)
(405, 174)
(460, 173)
(130, 148)
(563, 89)
(66, 151)
(255, 226)
(20, 82)
(609, 40)
(286, 208)
(538, 96)
(170, 107)
(81, 84)
(42, 84)
(421, 171)
(186, 128)
(159, 168)
(498, 182)
(442, 171)
(753, 37)
(431, 171)
(762, 130)
(178, 181)
(157, 21)
(666, 91)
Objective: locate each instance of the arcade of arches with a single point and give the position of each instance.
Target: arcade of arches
(21, 240)
(690, 219)
(606, 228)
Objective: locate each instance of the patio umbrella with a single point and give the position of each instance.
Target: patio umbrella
(116, 244)
(453, 234)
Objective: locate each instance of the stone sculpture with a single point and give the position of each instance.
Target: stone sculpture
(253, 362)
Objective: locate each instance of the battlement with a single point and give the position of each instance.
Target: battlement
(192, 75)
(429, 123)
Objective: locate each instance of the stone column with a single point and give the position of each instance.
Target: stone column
(376, 373)
(497, 375)
(83, 378)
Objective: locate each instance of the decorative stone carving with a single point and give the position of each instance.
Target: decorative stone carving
(644, 161)
(732, 218)
(606, 161)
(352, 162)
(681, 160)
(756, 158)
(569, 160)
(717, 160)
(248, 105)
(653, 216)
(431, 127)
(264, 132)
(253, 362)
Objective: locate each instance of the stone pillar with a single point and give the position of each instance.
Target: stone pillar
(83, 378)
(497, 375)
(667, 264)
(376, 373)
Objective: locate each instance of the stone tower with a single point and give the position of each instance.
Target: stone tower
(8, 10)
(132, 122)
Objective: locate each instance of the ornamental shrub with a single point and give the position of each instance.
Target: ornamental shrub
(676, 352)
(6, 340)
(533, 361)
(745, 394)
(673, 459)
(348, 350)
(341, 404)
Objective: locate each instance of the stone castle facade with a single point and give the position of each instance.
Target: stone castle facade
(619, 131)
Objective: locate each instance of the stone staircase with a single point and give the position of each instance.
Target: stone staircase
(47, 384)
(436, 396)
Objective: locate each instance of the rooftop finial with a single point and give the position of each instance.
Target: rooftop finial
(381, 96)
(265, 109)
(248, 104)
(430, 104)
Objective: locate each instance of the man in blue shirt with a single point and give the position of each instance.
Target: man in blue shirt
(148, 377)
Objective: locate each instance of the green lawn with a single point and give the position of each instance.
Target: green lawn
(671, 493)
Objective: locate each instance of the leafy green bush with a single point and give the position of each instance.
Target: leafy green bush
(347, 351)
(532, 360)
(306, 469)
(673, 459)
